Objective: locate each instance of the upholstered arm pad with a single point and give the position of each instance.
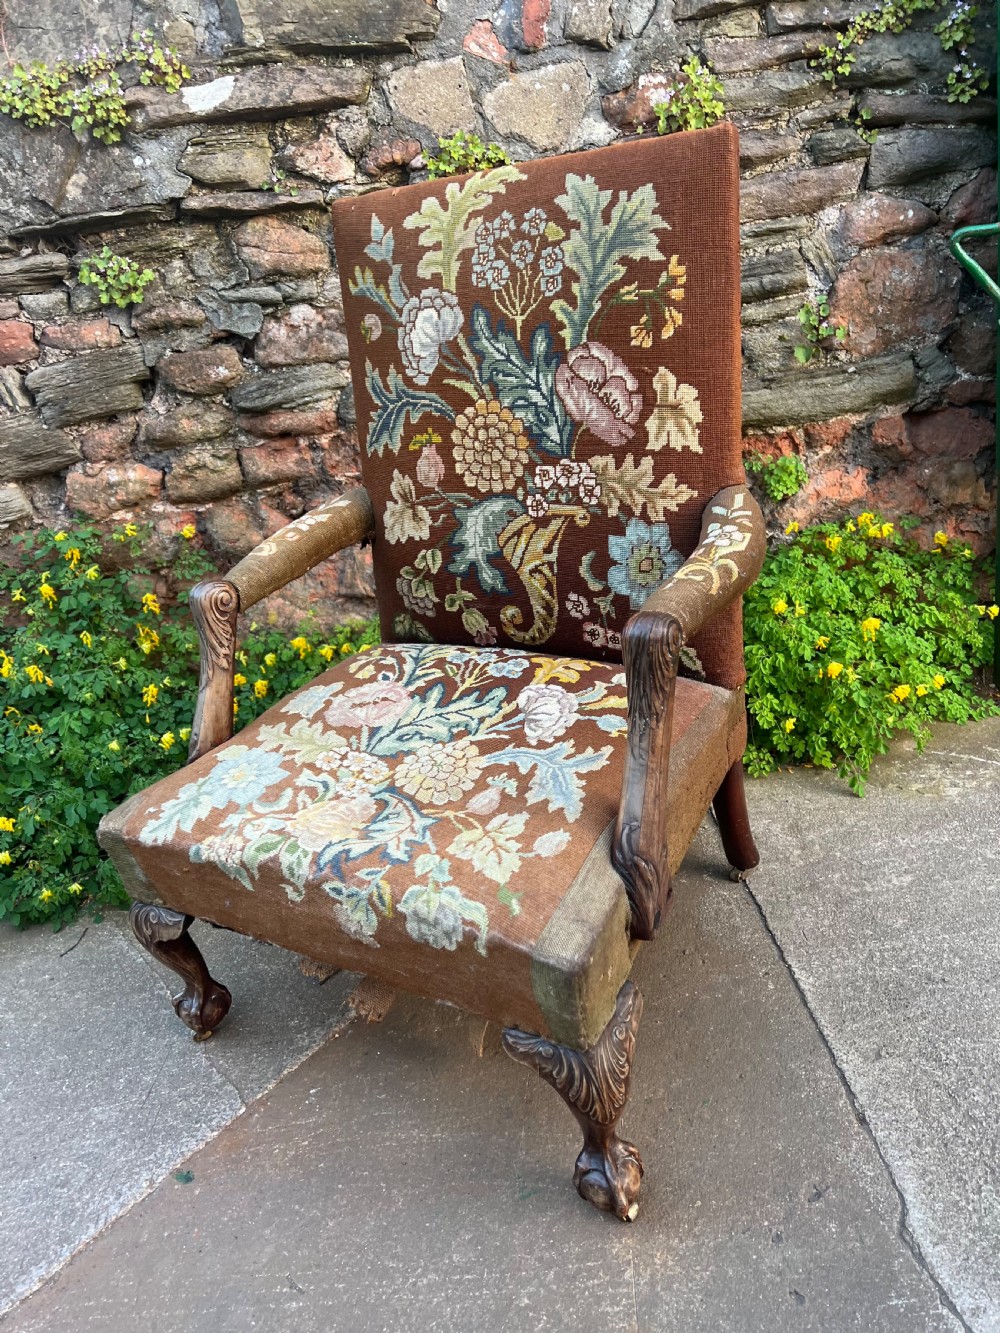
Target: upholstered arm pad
(216, 603)
(725, 562)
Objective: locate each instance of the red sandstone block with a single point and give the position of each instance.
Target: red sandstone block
(17, 342)
(81, 335)
(481, 40)
(535, 24)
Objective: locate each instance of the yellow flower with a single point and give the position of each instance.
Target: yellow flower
(46, 895)
(185, 733)
(151, 603)
(6, 665)
(300, 645)
(236, 707)
(167, 741)
(86, 638)
(799, 609)
(6, 824)
(61, 536)
(980, 608)
(968, 553)
(35, 674)
(833, 541)
(130, 530)
(993, 611)
(792, 527)
(42, 650)
(188, 531)
(260, 688)
(18, 596)
(48, 593)
(121, 664)
(150, 695)
(887, 530)
(866, 519)
(34, 729)
(327, 652)
(939, 682)
(92, 573)
(940, 539)
(834, 670)
(870, 627)
(363, 648)
(823, 641)
(5, 858)
(779, 607)
(873, 532)
(76, 888)
(73, 556)
(900, 693)
(241, 657)
(239, 678)
(12, 711)
(850, 526)
(346, 648)
(790, 723)
(922, 690)
(270, 659)
(114, 747)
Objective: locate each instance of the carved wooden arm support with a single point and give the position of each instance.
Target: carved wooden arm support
(216, 603)
(725, 562)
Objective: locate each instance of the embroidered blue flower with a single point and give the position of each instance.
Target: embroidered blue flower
(645, 558)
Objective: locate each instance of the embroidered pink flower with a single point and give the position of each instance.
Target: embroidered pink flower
(595, 635)
(577, 605)
(485, 636)
(430, 468)
(321, 823)
(598, 390)
(372, 705)
(537, 506)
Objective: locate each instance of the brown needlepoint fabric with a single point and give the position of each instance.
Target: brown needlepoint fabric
(435, 817)
(546, 361)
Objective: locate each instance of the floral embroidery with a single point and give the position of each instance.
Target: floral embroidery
(600, 392)
(369, 785)
(427, 322)
(644, 557)
(490, 448)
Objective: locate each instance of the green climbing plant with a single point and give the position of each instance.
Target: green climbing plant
(464, 152)
(780, 478)
(693, 100)
(813, 316)
(119, 281)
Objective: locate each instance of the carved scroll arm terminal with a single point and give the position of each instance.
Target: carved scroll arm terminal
(726, 561)
(216, 603)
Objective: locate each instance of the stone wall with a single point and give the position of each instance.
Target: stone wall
(223, 399)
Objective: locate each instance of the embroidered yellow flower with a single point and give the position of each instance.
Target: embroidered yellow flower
(188, 531)
(779, 607)
(870, 627)
(790, 723)
(260, 688)
(901, 693)
(792, 527)
(48, 593)
(87, 639)
(300, 645)
(151, 603)
(167, 741)
(834, 670)
(833, 541)
(150, 695)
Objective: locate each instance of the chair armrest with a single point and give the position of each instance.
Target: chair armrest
(216, 603)
(725, 562)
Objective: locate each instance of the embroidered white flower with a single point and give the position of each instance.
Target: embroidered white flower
(547, 711)
(427, 322)
(405, 520)
(577, 605)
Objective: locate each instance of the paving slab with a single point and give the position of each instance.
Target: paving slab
(102, 1094)
(887, 910)
(397, 1180)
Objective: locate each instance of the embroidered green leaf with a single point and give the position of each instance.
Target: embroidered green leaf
(445, 231)
(526, 385)
(363, 284)
(627, 485)
(586, 571)
(476, 539)
(395, 401)
(431, 720)
(595, 248)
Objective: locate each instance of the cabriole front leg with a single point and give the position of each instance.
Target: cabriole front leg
(594, 1084)
(204, 1002)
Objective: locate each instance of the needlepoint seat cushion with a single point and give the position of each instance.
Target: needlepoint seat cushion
(439, 816)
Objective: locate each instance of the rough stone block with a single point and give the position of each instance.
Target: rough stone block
(732, 56)
(14, 506)
(589, 22)
(786, 15)
(923, 108)
(272, 248)
(236, 156)
(242, 317)
(107, 443)
(248, 203)
(703, 9)
(319, 25)
(481, 40)
(214, 370)
(203, 474)
(97, 384)
(974, 202)
(33, 273)
(769, 349)
(433, 93)
(901, 156)
(891, 60)
(829, 391)
(267, 92)
(534, 24)
(17, 342)
(194, 423)
(276, 463)
(759, 148)
(885, 297)
(234, 527)
(287, 388)
(839, 145)
(774, 274)
(323, 159)
(13, 396)
(543, 106)
(873, 219)
(103, 489)
(301, 337)
(320, 419)
(81, 335)
(973, 344)
(771, 90)
(634, 105)
(804, 191)
(27, 449)
(43, 307)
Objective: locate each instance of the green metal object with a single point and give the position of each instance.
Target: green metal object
(983, 278)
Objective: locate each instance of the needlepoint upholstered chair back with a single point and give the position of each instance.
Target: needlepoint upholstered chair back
(546, 360)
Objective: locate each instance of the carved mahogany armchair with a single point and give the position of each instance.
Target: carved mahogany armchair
(488, 808)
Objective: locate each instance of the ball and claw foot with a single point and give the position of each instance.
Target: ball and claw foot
(594, 1084)
(204, 1002)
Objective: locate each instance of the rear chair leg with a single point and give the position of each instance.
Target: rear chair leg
(203, 1003)
(734, 823)
(594, 1084)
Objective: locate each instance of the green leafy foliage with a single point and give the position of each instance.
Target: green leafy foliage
(88, 94)
(119, 281)
(780, 478)
(693, 100)
(394, 402)
(813, 316)
(98, 682)
(462, 153)
(525, 384)
(854, 633)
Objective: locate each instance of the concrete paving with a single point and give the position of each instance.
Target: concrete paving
(814, 1095)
